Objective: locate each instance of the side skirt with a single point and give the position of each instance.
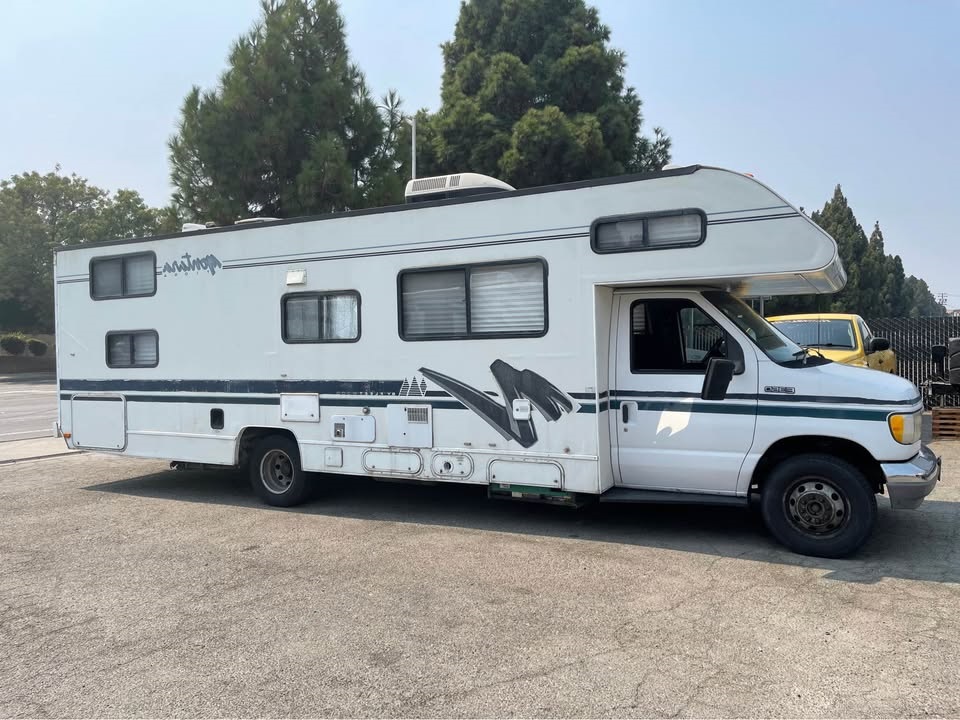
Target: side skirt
(666, 497)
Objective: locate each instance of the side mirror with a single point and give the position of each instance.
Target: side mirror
(878, 345)
(719, 374)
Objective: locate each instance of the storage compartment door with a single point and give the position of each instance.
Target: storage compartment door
(99, 422)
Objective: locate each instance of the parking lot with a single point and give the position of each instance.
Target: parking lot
(28, 406)
(127, 589)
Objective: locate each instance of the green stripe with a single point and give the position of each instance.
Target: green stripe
(725, 408)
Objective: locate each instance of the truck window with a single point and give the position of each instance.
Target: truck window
(822, 333)
(321, 317)
(865, 334)
(673, 335)
(474, 301)
(133, 349)
(123, 276)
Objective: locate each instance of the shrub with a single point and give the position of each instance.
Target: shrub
(38, 348)
(13, 344)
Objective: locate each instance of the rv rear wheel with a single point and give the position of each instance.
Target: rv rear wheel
(818, 505)
(275, 472)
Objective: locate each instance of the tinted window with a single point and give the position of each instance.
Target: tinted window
(133, 349)
(654, 231)
(123, 276)
(499, 300)
(321, 317)
(673, 335)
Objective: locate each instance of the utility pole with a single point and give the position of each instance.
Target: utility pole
(942, 299)
(412, 122)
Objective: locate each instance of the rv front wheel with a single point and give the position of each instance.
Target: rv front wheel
(818, 505)
(275, 472)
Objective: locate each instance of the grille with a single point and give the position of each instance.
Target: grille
(418, 414)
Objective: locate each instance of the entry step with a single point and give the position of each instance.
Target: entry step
(634, 495)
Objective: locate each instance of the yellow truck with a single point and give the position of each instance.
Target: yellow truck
(841, 337)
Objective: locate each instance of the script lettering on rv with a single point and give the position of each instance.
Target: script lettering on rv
(514, 384)
(186, 263)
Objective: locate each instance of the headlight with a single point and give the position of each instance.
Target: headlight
(906, 428)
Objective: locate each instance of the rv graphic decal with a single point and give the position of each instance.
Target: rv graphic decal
(186, 264)
(514, 384)
(417, 388)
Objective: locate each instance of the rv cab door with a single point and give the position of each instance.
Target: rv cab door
(663, 435)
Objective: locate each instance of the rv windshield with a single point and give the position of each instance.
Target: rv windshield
(774, 344)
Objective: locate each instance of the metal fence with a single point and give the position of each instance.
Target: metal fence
(912, 340)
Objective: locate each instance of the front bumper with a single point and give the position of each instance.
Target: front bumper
(909, 482)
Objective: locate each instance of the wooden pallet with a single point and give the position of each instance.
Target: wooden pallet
(946, 423)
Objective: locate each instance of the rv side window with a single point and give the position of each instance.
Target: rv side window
(135, 349)
(324, 317)
(123, 276)
(476, 301)
(651, 231)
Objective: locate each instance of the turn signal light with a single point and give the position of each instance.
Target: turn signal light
(906, 429)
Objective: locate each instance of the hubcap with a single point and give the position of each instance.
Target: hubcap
(276, 472)
(816, 506)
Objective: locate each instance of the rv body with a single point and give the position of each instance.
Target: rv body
(555, 343)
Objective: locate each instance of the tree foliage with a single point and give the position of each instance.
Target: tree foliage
(876, 283)
(39, 213)
(532, 93)
(291, 127)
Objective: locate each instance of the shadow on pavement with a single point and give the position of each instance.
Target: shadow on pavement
(916, 545)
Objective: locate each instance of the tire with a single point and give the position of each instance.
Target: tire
(955, 377)
(818, 505)
(953, 359)
(275, 472)
(953, 347)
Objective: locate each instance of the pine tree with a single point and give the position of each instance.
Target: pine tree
(291, 127)
(875, 300)
(876, 286)
(532, 93)
(838, 219)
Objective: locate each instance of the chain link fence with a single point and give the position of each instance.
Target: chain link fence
(912, 340)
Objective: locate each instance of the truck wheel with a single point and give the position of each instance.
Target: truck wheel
(275, 472)
(818, 505)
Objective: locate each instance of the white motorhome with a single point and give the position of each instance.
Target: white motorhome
(554, 343)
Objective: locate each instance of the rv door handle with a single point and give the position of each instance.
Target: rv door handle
(626, 407)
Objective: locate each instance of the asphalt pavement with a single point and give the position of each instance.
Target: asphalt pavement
(28, 406)
(128, 590)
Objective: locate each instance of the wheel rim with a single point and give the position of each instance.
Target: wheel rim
(817, 507)
(276, 472)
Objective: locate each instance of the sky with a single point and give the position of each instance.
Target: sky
(804, 95)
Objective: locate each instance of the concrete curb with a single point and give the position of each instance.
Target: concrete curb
(14, 461)
(32, 449)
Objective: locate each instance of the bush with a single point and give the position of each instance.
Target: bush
(13, 344)
(38, 348)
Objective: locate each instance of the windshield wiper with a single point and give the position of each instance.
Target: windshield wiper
(804, 353)
(816, 345)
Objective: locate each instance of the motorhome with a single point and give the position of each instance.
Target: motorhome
(564, 343)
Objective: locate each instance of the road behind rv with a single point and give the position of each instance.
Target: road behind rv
(130, 590)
